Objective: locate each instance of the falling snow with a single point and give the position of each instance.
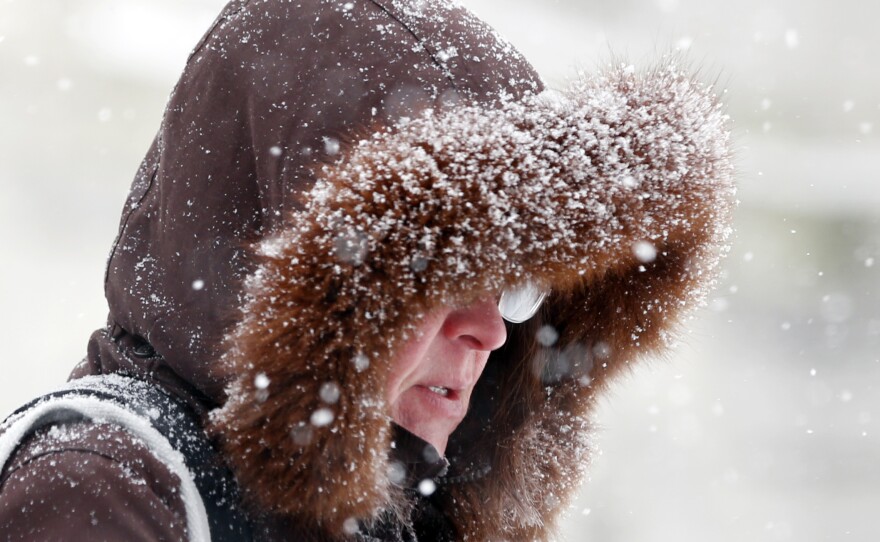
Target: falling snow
(330, 392)
(645, 251)
(322, 417)
(810, 304)
(261, 381)
(427, 487)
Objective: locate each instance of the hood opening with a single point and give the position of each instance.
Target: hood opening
(617, 194)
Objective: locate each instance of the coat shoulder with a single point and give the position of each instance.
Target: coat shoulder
(94, 479)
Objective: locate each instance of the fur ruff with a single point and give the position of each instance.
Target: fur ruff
(617, 194)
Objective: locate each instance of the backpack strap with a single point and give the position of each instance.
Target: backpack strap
(170, 430)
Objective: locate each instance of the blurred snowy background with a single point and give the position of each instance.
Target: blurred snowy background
(763, 426)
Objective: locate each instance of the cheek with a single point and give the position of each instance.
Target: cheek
(404, 367)
(414, 355)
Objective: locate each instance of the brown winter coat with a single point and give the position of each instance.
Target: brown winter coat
(614, 194)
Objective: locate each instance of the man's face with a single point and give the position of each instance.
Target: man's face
(432, 377)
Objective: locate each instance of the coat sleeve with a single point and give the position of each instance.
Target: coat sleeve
(86, 481)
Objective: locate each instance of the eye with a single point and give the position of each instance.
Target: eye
(519, 304)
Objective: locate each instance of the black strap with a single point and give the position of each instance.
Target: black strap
(177, 423)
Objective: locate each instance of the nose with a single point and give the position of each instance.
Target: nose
(479, 325)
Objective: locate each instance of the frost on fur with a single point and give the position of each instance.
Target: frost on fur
(614, 194)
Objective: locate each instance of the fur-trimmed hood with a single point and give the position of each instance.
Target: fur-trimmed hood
(615, 194)
(273, 87)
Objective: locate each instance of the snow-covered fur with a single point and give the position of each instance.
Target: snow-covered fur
(615, 194)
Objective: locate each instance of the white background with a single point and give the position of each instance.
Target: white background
(761, 427)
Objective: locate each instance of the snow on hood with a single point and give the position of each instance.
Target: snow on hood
(272, 88)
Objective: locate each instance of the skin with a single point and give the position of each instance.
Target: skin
(450, 351)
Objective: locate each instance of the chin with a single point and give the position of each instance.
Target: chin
(437, 435)
(438, 440)
(434, 432)
(428, 416)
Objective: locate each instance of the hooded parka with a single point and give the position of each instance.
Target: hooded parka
(325, 175)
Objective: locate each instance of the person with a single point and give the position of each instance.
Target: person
(343, 203)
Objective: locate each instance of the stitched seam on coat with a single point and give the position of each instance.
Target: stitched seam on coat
(134, 207)
(443, 69)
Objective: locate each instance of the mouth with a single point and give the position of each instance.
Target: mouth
(442, 392)
(441, 401)
(439, 390)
